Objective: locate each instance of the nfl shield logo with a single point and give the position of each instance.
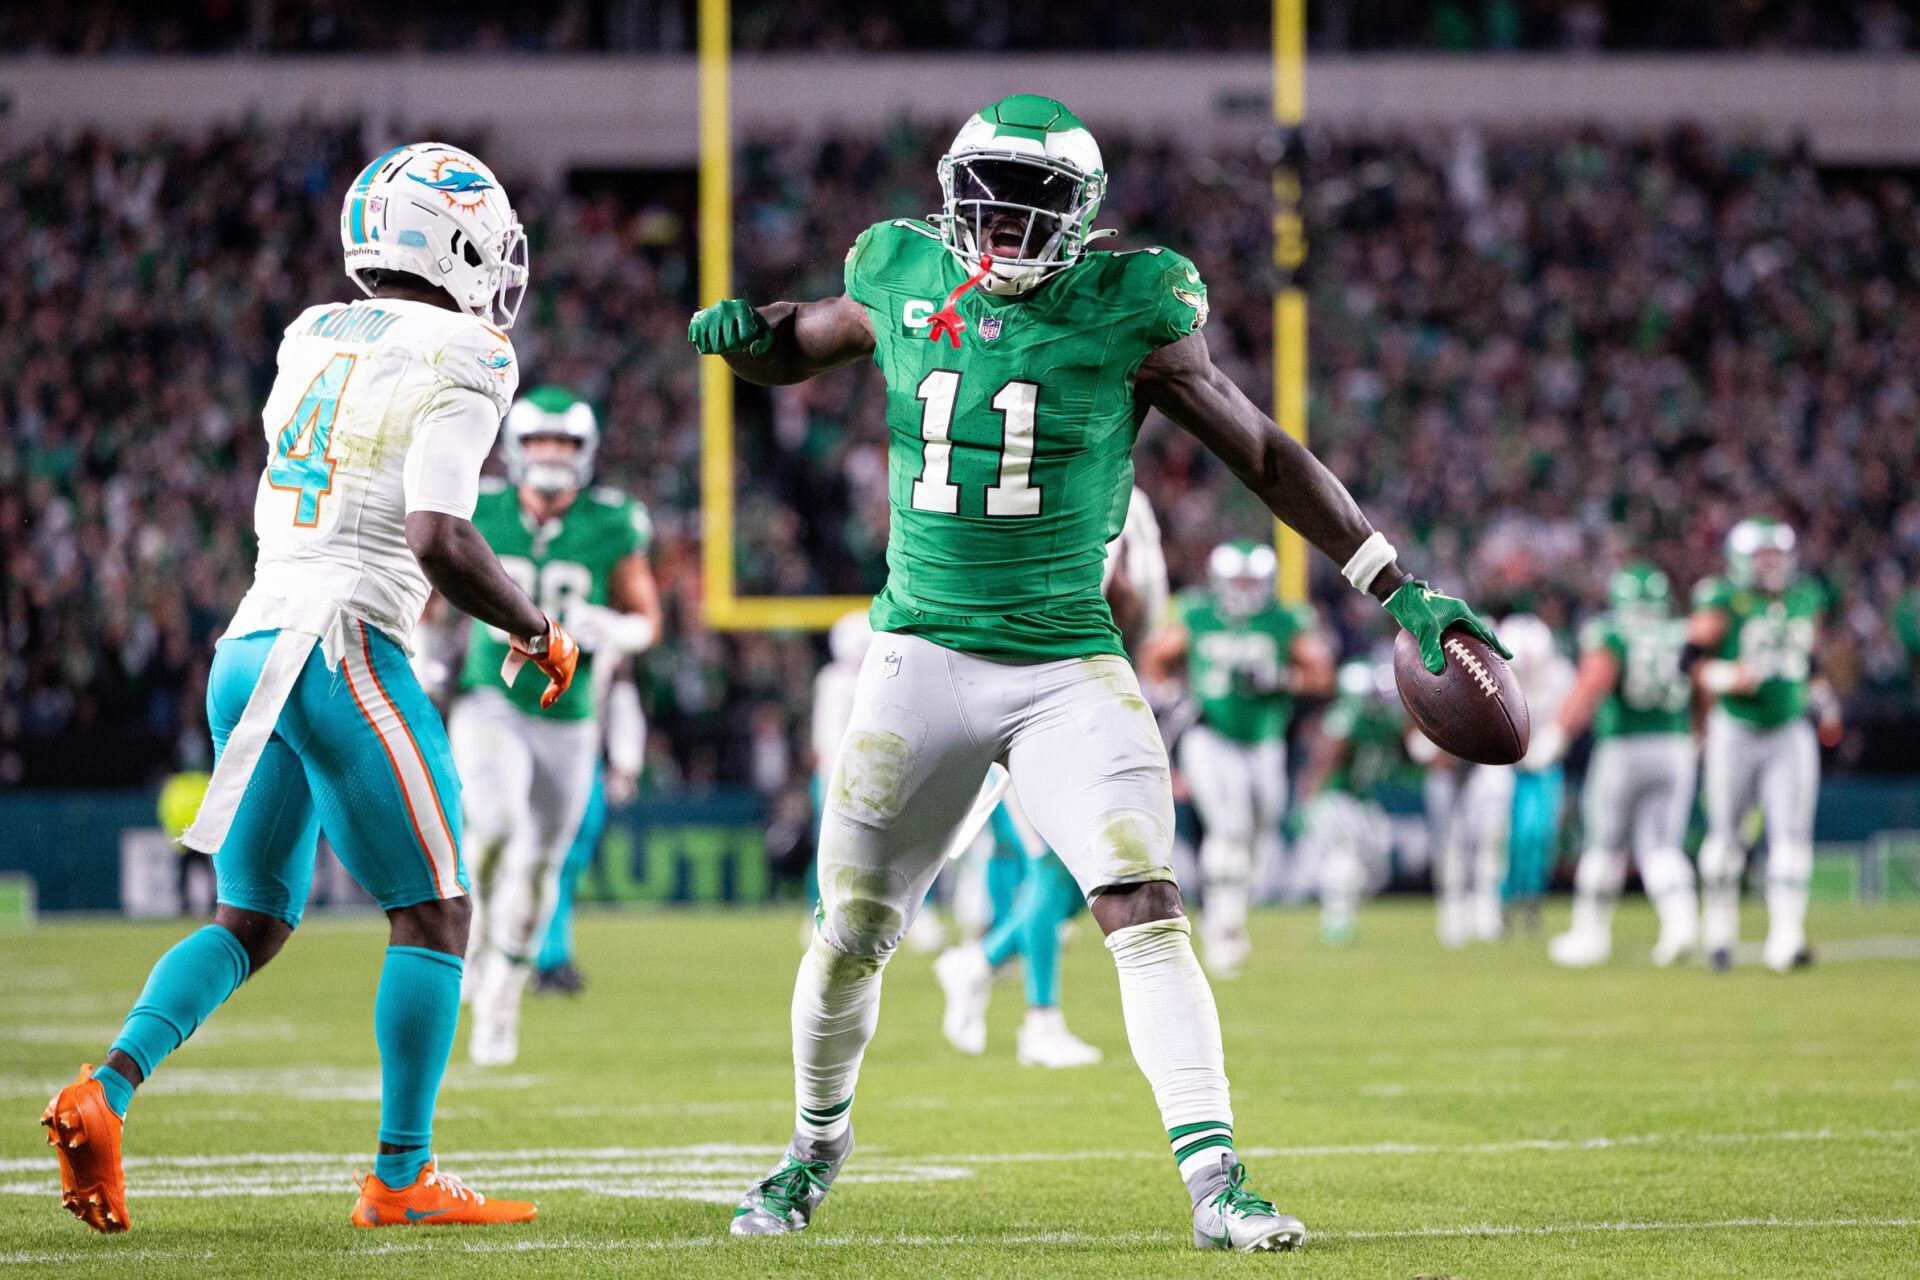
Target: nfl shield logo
(989, 328)
(890, 666)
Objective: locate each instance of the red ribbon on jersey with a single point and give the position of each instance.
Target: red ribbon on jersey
(947, 322)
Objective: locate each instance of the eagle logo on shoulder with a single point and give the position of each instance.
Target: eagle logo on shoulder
(1195, 299)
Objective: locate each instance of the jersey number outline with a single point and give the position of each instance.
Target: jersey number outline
(294, 466)
(1014, 495)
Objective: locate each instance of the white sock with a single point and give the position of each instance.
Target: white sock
(1174, 1030)
(1596, 889)
(1789, 869)
(1226, 868)
(1720, 867)
(1668, 879)
(836, 1007)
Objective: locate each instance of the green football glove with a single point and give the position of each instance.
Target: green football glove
(728, 328)
(1427, 613)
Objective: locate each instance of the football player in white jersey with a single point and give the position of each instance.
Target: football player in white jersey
(379, 420)
(1507, 811)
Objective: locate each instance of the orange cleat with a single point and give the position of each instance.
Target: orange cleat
(85, 1133)
(435, 1199)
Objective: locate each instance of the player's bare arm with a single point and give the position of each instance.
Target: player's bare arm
(1164, 651)
(634, 591)
(464, 571)
(783, 342)
(1312, 662)
(1706, 631)
(1597, 676)
(1181, 381)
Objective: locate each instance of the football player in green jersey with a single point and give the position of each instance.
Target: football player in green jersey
(1362, 742)
(1750, 648)
(1018, 368)
(1639, 788)
(1248, 657)
(581, 553)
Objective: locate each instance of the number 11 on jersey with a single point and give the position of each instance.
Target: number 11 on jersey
(1014, 494)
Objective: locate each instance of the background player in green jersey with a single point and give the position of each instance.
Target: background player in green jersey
(1362, 743)
(1750, 647)
(1019, 366)
(1639, 788)
(1247, 658)
(580, 553)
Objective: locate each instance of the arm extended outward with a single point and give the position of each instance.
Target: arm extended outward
(1181, 381)
(783, 342)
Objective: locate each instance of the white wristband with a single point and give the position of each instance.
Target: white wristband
(1373, 555)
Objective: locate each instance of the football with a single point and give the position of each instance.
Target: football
(1474, 708)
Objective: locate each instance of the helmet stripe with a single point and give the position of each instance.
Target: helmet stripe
(366, 175)
(357, 220)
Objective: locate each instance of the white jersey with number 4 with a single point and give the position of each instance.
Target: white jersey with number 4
(381, 407)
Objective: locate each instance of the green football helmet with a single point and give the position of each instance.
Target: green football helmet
(1760, 554)
(1022, 167)
(552, 413)
(1242, 574)
(1640, 590)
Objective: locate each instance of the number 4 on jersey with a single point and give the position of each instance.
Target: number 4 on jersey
(1015, 494)
(302, 459)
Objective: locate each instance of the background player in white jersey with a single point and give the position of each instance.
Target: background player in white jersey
(380, 418)
(581, 551)
(1639, 788)
(1507, 810)
(1247, 658)
(1750, 646)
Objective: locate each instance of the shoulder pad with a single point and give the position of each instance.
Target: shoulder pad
(1712, 593)
(479, 357)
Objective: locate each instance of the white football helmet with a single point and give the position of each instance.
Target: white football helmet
(1529, 639)
(1242, 574)
(1028, 158)
(556, 413)
(436, 212)
(1760, 553)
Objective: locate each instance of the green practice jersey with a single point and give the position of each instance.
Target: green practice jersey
(1773, 636)
(1010, 458)
(1231, 659)
(571, 559)
(1375, 738)
(1652, 695)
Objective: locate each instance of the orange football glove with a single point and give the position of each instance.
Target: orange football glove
(555, 653)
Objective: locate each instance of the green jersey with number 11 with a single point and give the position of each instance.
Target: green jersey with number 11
(571, 558)
(1010, 458)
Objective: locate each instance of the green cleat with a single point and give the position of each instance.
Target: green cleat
(783, 1202)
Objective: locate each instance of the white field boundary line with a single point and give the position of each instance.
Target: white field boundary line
(1886, 946)
(562, 1244)
(713, 1173)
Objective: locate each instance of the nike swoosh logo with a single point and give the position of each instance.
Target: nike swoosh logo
(415, 1215)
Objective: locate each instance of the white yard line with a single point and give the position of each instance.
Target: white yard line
(562, 1244)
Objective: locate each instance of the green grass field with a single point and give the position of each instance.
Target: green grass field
(1426, 1113)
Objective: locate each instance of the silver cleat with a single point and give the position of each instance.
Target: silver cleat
(1233, 1217)
(783, 1202)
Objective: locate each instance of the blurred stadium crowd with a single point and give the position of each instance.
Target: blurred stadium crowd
(1532, 356)
(125, 27)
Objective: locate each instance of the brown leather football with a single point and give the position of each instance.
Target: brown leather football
(1474, 708)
